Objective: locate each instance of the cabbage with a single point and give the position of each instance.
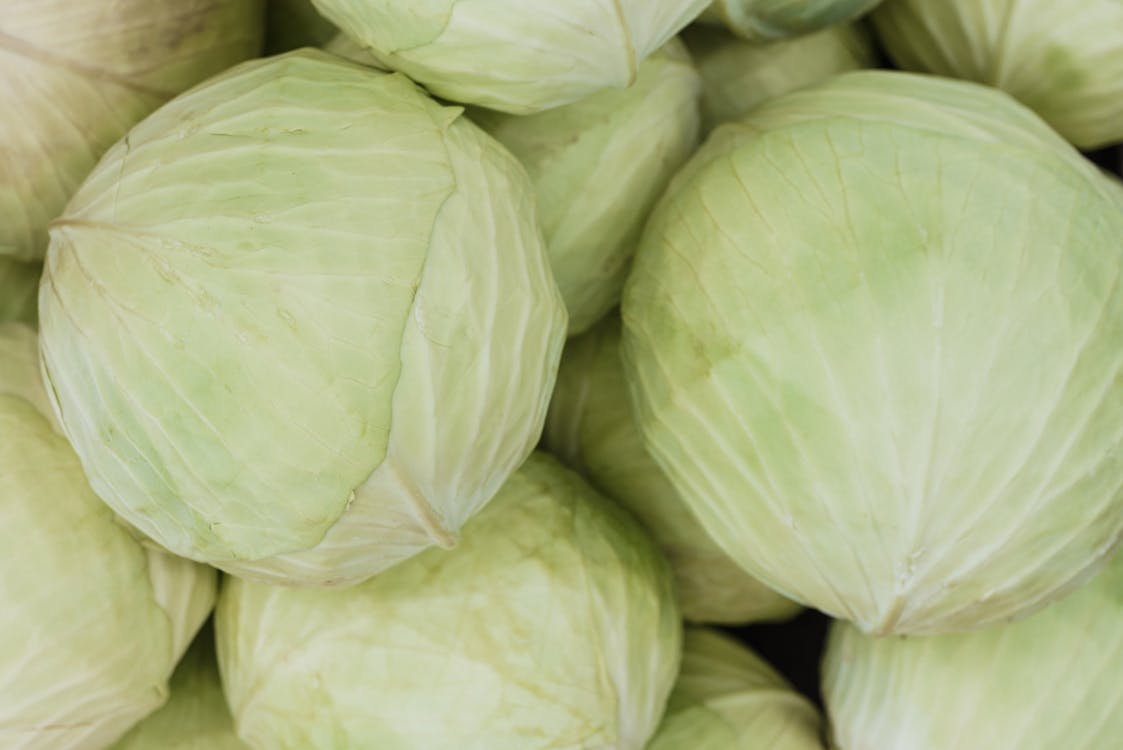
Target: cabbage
(776, 19)
(552, 625)
(1063, 60)
(739, 75)
(347, 48)
(886, 373)
(1048, 682)
(598, 166)
(590, 427)
(517, 56)
(728, 698)
(75, 75)
(196, 716)
(93, 619)
(300, 324)
(19, 286)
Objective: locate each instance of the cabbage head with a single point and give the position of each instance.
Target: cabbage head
(19, 288)
(300, 323)
(763, 20)
(552, 626)
(1051, 681)
(1062, 59)
(738, 75)
(728, 698)
(591, 428)
(75, 75)
(517, 56)
(93, 618)
(875, 336)
(196, 716)
(598, 167)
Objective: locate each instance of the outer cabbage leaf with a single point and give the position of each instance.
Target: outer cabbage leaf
(728, 698)
(93, 619)
(19, 287)
(1048, 682)
(776, 19)
(874, 332)
(347, 48)
(552, 625)
(517, 56)
(300, 324)
(75, 75)
(1063, 60)
(739, 75)
(590, 426)
(196, 716)
(599, 166)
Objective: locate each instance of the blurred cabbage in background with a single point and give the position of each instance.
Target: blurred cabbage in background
(19, 291)
(75, 75)
(762, 20)
(739, 75)
(1062, 59)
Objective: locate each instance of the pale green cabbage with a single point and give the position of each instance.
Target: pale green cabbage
(886, 373)
(552, 625)
(300, 323)
(196, 716)
(75, 75)
(728, 698)
(1049, 682)
(290, 24)
(739, 75)
(347, 48)
(1062, 59)
(599, 166)
(777, 19)
(19, 287)
(517, 56)
(590, 427)
(93, 619)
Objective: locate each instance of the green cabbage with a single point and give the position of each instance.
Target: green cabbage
(886, 373)
(728, 698)
(1062, 59)
(590, 427)
(19, 286)
(196, 716)
(551, 626)
(1049, 682)
(93, 619)
(599, 165)
(777, 19)
(517, 56)
(75, 75)
(739, 75)
(300, 324)
(347, 48)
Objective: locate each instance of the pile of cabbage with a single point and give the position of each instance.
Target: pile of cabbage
(491, 374)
